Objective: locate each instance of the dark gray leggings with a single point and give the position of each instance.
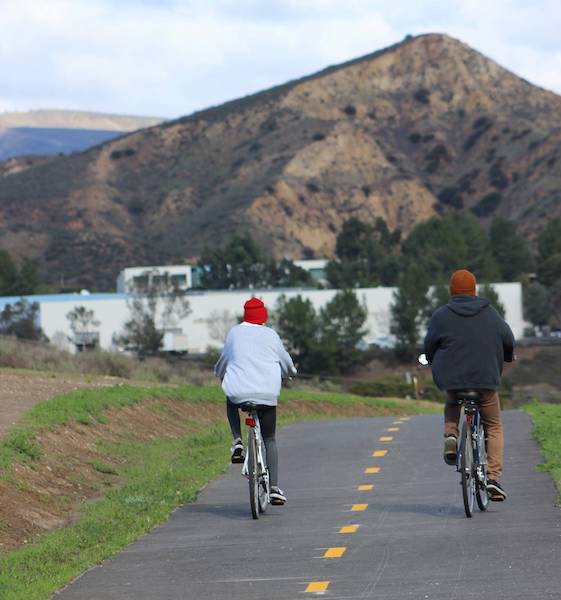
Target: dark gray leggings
(268, 422)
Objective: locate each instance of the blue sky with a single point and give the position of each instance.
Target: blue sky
(172, 57)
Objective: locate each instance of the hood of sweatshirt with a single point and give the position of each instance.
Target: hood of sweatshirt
(467, 306)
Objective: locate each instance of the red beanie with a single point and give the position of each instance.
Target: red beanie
(462, 283)
(254, 311)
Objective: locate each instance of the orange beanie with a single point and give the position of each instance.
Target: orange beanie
(462, 283)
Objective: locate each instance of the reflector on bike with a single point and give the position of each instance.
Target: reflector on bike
(250, 422)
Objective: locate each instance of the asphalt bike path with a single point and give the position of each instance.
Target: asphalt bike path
(373, 512)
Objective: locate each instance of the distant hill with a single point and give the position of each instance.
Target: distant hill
(426, 126)
(22, 141)
(59, 131)
(75, 119)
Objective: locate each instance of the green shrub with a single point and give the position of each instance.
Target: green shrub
(102, 467)
(422, 95)
(487, 205)
(21, 442)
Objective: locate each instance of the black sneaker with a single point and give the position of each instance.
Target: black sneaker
(450, 449)
(277, 496)
(495, 491)
(237, 452)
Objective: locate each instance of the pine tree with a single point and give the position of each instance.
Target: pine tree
(409, 309)
(510, 250)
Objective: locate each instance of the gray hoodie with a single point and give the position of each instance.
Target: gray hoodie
(467, 342)
(252, 364)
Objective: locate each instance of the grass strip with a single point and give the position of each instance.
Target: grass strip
(159, 476)
(87, 404)
(547, 430)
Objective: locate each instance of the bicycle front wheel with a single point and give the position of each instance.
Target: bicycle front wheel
(253, 474)
(466, 468)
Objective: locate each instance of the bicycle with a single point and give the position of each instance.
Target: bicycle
(471, 458)
(255, 463)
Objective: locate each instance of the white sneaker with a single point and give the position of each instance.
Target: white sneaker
(450, 449)
(277, 496)
(237, 451)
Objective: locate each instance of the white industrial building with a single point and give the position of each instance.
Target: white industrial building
(185, 277)
(316, 268)
(212, 313)
(138, 279)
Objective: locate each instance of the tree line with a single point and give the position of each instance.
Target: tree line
(370, 255)
(14, 281)
(367, 255)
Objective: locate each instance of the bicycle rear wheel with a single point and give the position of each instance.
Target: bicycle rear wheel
(481, 494)
(253, 474)
(466, 468)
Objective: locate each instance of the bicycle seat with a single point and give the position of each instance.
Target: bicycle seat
(463, 396)
(248, 406)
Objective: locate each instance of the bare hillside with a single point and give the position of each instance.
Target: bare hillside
(426, 126)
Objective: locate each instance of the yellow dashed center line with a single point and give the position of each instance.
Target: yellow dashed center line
(320, 587)
(317, 587)
(335, 552)
(349, 529)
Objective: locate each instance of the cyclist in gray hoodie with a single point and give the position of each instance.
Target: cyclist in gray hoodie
(467, 343)
(251, 367)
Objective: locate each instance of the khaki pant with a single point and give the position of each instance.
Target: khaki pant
(489, 409)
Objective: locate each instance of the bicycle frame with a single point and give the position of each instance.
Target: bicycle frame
(471, 452)
(252, 421)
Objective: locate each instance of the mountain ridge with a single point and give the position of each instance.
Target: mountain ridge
(424, 126)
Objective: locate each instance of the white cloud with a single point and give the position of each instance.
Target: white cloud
(521, 36)
(6, 106)
(170, 57)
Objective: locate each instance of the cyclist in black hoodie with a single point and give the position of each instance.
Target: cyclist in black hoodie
(467, 343)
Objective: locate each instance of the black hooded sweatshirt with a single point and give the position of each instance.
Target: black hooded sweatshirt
(466, 343)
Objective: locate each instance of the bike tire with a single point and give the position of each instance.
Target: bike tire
(481, 493)
(466, 469)
(263, 480)
(253, 474)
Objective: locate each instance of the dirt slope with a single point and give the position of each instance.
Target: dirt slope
(20, 391)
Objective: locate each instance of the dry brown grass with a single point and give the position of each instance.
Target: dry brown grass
(20, 354)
